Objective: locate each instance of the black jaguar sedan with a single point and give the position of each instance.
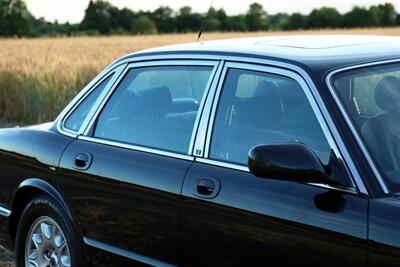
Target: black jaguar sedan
(252, 152)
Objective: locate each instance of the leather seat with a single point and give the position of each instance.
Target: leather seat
(258, 121)
(382, 132)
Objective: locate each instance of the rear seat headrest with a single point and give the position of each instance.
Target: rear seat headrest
(387, 93)
(158, 100)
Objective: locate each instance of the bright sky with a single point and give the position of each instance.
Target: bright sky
(73, 10)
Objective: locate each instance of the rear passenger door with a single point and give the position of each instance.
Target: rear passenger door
(123, 177)
(233, 218)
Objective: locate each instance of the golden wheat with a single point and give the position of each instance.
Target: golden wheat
(39, 76)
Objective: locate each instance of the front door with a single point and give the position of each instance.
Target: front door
(233, 218)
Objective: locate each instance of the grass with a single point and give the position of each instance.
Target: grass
(39, 76)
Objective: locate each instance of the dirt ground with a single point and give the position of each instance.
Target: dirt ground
(5, 258)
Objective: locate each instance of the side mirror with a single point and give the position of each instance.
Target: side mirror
(292, 162)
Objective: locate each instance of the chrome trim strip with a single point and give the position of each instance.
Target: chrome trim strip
(346, 116)
(201, 107)
(4, 212)
(210, 119)
(223, 164)
(82, 95)
(343, 189)
(145, 64)
(135, 147)
(125, 253)
(201, 131)
(309, 94)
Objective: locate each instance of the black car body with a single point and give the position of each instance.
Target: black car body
(187, 198)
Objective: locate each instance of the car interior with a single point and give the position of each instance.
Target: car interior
(156, 113)
(275, 111)
(377, 118)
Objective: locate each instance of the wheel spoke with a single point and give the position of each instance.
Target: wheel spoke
(58, 240)
(47, 230)
(33, 263)
(33, 255)
(37, 240)
(65, 261)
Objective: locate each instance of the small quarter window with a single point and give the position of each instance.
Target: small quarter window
(257, 108)
(76, 118)
(155, 107)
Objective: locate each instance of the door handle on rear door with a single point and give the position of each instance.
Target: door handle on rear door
(206, 187)
(82, 161)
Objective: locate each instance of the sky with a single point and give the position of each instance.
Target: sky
(73, 10)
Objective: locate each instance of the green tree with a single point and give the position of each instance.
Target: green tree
(296, 21)
(237, 23)
(186, 21)
(388, 14)
(126, 19)
(256, 18)
(98, 16)
(278, 21)
(223, 19)
(360, 17)
(164, 19)
(15, 19)
(211, 22)
(325, 17)
(144, 25)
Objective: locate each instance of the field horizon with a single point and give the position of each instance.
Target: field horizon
(38, 77)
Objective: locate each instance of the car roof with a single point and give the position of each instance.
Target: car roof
(315, 53)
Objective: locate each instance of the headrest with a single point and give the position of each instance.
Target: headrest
(265, 88)
(292, 94)
(262, 110)
(387, 93)
(156, 100)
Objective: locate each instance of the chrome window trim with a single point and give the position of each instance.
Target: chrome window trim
(223, 164)
(92, 85)
(4, 212)
(347, 118)
(315, 104)
(203, 124)
(349, 190)
(202, 103)
(136, 148)
(211, 55)
(109, 85)
(211, 63)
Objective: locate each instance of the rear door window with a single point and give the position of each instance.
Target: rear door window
(155, 107)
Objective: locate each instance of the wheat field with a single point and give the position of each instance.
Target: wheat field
(39, 76)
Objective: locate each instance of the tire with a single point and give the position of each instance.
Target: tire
(47, 234)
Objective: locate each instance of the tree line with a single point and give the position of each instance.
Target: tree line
(102, 18)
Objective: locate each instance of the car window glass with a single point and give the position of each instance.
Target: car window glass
(155, 107)
(258, 108)
(363, 87)
(374, 108)
(75, 120)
